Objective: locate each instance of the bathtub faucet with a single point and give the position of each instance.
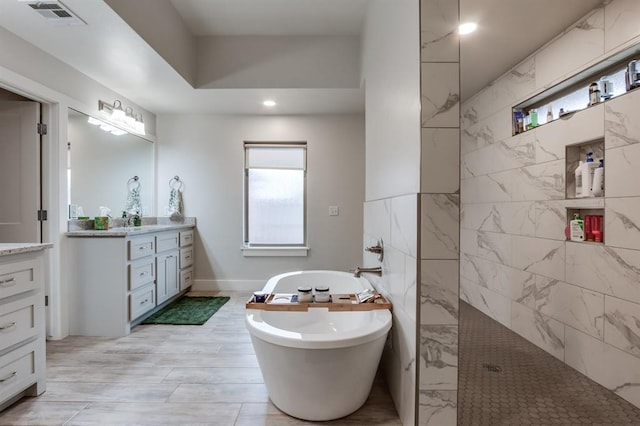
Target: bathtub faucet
(374, 270)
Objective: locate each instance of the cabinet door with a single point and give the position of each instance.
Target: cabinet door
(167, 276)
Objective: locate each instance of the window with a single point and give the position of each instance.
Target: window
(275, 186)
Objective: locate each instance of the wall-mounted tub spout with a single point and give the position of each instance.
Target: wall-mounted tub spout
(377, 270)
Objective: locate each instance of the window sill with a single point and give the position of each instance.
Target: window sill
(274, 251)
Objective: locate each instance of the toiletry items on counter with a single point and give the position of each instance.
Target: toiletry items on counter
(304, 294)
(322, 294)
(576, 228)
(593, 228)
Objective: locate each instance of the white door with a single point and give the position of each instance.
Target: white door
(19, 172)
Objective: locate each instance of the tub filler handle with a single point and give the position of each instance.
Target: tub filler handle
(377, 270)
(377, 249)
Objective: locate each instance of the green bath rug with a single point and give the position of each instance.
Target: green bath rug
(187, 311)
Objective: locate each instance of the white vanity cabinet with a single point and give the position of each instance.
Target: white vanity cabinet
(119, 278)
(22, 325)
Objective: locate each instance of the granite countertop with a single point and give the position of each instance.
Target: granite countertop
(15, 248)
(85, 228)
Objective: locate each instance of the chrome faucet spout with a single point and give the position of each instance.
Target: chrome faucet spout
(377, 270)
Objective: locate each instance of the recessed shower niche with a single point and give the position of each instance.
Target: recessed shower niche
(573, 156)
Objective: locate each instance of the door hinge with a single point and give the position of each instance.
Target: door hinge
(42, 129)
(46, 301)
(42, 215)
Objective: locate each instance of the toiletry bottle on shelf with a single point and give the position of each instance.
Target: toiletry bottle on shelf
(576, 227)
(598, 180)
(549, 114)
(534, 117)
(589, 167)
(594, 94)
(578, 176)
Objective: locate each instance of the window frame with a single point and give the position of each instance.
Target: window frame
(273, 249)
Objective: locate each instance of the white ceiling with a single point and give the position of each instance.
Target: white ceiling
(110, 51)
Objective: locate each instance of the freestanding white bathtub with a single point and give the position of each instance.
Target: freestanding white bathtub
(318, 365)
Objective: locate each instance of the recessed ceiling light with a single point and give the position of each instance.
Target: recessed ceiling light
(269, 103)
(467, 28)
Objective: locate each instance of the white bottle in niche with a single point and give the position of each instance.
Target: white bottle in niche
(578, 175)
(597, 190)
(589, 168)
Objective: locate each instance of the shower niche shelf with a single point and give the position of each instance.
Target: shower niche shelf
(573, 155)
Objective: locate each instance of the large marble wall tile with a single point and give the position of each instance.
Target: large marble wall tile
(394, 271)
(517, 218)
(439, 39)
(440, 220)
(440, 94)
(551, 220)
(490, 130)
(622, 171)
(607, 270)
(621, 22)
(508, 154)
(479, 217)
(540, 182)
(622, 325)
(475, 108)
(541, 330)
(622, 120)
(404, 224)
(492, 188)
(468, 241)
(509, 282)
(583, 126)
(438, 408)
(572, 305)
(377, 218)
(575, 48)
(411, 287)
(609, 366)
(440, 161)
(494, 246)
(468, 139)
(438, 357)
(622, 222)
(439, 286)
(515, 85)
(486, 301)
(540, 256)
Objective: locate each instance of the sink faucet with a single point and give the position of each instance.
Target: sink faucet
(374, 270)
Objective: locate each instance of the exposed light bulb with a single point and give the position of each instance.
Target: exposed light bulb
(467, 28)
(269, 103)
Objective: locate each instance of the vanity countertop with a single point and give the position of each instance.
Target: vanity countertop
(121, 231)
(7, 249)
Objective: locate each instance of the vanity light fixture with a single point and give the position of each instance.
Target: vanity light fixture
(106, 127)
(467, 28)
(269, 103)
(122, 118)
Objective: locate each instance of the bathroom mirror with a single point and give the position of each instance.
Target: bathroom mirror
(100, 164)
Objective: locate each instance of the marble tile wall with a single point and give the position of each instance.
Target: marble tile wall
(578, 301)
(394, 220)
(439, 217)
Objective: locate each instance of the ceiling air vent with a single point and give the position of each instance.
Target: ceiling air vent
(56, 13)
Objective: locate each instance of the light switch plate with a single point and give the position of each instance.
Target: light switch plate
(334, 211)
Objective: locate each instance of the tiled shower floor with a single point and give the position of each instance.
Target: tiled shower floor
(505, 380)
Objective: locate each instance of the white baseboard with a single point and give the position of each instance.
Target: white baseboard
(228, 285)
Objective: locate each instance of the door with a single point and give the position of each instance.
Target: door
(19, 172)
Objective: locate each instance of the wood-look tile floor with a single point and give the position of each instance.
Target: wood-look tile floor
(169, 375)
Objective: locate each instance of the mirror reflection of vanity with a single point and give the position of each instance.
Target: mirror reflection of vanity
(100, 165)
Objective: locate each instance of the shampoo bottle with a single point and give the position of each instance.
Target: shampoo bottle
(590, 167)
(598, 180)
(576, 228)
(578, 176)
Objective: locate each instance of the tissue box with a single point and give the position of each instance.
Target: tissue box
(101, 223)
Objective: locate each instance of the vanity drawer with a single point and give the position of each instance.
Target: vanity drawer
(186, 238)
(141, 272)
(18, 277)
(186, 257)
(141, 247)
(142, 300)
(186, 278)
(18, 370)
(166, 241)
(20, 320)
